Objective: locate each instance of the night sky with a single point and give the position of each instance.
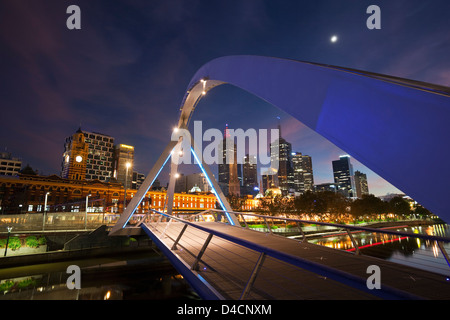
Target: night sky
(125, 72)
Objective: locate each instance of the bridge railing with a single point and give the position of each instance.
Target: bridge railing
(422, 250)
(53, 221)
(257, 278)
(430, 251)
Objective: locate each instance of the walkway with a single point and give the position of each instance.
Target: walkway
(239, 263)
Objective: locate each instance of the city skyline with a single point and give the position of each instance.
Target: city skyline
(125, 72)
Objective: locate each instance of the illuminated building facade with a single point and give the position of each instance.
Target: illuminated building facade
(228, 168)
(75, 157)
(123, 164)
(26, 194)
(344, 176)
(361, 185)
(96, 161)
(9, 166)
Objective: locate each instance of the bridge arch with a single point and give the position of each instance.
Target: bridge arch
(396, 127)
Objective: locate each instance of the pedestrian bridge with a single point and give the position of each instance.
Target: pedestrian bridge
(373, 118)
(224, 261)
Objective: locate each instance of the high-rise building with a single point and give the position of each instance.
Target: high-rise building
(325, 187)
(297, 168)
(249, 185)
(343, 176)
(228, 168)
(250, 174)
(303, 179)
(9, 166)
(185, 183)
(308, 176)
(97, 161)
(285, 174)
(138, 179)
(123, 164)
(361, 184)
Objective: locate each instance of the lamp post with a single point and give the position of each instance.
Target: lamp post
(7, 239)
(127, 165)
(45, 209)
(85, 214)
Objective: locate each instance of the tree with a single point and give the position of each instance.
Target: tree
(422, 212)
(321, 202)
(235, 202)
(399, 206)
(368, 205)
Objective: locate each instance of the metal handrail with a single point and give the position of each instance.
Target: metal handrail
(357, 228)
(302, 263)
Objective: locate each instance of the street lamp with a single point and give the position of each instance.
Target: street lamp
(45, 202)
(127, 165)
(45, 209)
(7, 240)
(85, 214)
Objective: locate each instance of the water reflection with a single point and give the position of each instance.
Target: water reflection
(117, 281)
(423, 254)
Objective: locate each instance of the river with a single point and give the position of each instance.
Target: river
(409, 251)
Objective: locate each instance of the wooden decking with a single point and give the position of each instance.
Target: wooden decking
(228, 267)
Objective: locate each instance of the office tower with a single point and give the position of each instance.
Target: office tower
(285, 173)
(234, 186)
(250, 174)
(325, 187)
(75, 157)
(268, 181)
(9, 166)
(343, 176)
(303, 179)
(361, 184)
(228, 169)
(138, 179)
(123, 164)
(98, 162)
(197, 180)
(224, 167)
(185, 183)
(308, 176)
(297, 168)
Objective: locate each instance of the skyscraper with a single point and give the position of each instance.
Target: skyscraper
(228, 168)
(297, 168)
(361, 184)
(285, 174)
(250, 174)
(302, 172)
(308, 176)
(343, 176)
(123, 164)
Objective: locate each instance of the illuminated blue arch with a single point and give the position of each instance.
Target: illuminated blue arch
(396, 127)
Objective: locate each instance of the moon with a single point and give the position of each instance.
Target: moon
(334, 38)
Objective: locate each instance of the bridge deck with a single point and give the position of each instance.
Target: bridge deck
(228, 267)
